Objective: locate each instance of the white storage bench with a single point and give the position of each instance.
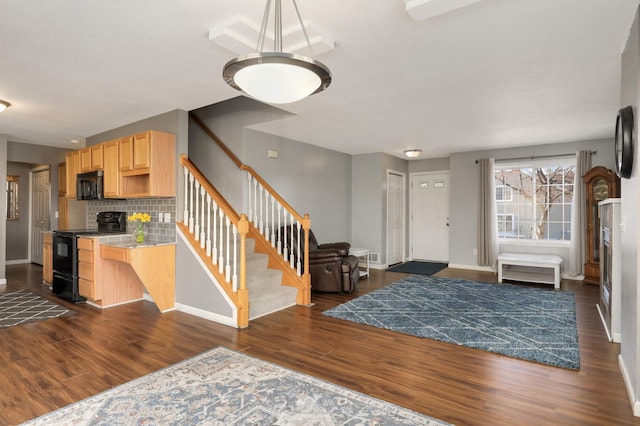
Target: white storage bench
(535, 268)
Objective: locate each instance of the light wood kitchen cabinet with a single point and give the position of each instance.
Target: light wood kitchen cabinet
(88, 265)
(47, 257)
(111, 183)
(85, 160)
(125, 158)
(97, 156)
(147, 164)
(73, 168)
(62, 197)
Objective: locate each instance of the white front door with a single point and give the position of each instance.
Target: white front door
(39, 212)
(395, 217)
(430, 216)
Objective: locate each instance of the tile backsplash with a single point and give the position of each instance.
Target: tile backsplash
(155, 230)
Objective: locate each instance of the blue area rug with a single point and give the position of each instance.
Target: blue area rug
(521, 322)
(223, 387)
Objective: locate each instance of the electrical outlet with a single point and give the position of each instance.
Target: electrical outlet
(167, 217)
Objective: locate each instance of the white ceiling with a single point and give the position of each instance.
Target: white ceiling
(494, 73)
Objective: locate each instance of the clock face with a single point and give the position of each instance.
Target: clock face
(600, 190)
(624, 142)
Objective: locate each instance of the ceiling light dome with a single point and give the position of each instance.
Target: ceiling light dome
(277, 77)
(413, 153)
(4, 105)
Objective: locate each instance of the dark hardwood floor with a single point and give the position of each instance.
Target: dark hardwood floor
(49, 364)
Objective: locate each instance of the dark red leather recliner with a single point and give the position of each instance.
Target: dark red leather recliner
(331, 267)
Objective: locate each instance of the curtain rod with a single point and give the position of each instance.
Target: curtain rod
(535, 157)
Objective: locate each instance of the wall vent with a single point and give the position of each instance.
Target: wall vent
(374, 257)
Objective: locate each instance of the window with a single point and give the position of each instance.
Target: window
(535, 199)
(505, 224)
(504, 193)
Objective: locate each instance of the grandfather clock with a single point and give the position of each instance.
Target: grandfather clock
(601, 183)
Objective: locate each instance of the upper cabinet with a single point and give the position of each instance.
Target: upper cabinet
(145, 159)
(134, 166)
(111, 182)
(73, 168)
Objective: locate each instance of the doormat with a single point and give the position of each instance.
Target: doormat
(22, 306)
(420, 268)
(521, 322)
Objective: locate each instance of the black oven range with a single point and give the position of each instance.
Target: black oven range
(65, 253)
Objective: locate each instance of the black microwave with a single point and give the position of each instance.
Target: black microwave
(89, 185)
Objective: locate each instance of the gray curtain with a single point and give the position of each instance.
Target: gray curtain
(487, 217)
(577, 253)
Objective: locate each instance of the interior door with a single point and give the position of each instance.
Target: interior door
(395, 218)
(430, 216)
(39, 212)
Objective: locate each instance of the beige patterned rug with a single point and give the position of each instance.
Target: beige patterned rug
(224, 387)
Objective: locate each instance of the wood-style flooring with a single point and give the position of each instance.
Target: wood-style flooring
(49, 364)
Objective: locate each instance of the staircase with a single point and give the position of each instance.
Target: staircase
(250, 262)
(266, 292)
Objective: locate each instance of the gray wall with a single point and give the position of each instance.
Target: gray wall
(18, 230)
(3, 208)
(465, 187)
(629, 352)
(229, 121)
(313, 180)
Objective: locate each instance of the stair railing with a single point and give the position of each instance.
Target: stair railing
(268, 214)
(213, 228)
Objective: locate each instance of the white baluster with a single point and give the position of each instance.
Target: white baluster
(191, 178)
(255, 202)
(266, 215)
(208, 244)
(196, 232)
(273, 222)
(221, 259)
(279, 243)
(214, 252)
(185, 214)
(234, 279)
(250, 215)
(202, 195)
(260, 221)
(284, 239)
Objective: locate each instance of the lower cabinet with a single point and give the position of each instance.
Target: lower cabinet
(47, 257)
(87, 269)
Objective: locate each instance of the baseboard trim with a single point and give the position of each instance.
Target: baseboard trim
(635, 404)
(231, 322)
(472, 267)
(16, 262)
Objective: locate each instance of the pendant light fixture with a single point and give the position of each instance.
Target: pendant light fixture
(277, 77)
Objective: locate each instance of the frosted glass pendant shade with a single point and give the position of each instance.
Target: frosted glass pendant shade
(277, 77)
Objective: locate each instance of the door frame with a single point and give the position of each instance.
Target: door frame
(403, 215)
(411, 176)
(33, 170)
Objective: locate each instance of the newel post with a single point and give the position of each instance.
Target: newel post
(304, 296)
(243, 293)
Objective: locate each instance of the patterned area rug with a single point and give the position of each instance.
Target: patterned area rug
(521, 322)
(223, 387)
(22, 306)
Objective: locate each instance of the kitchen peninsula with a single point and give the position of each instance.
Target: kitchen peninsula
(115, 270)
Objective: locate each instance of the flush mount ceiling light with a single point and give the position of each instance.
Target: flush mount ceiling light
(413, 153)
(277, 77)
(4, 105)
